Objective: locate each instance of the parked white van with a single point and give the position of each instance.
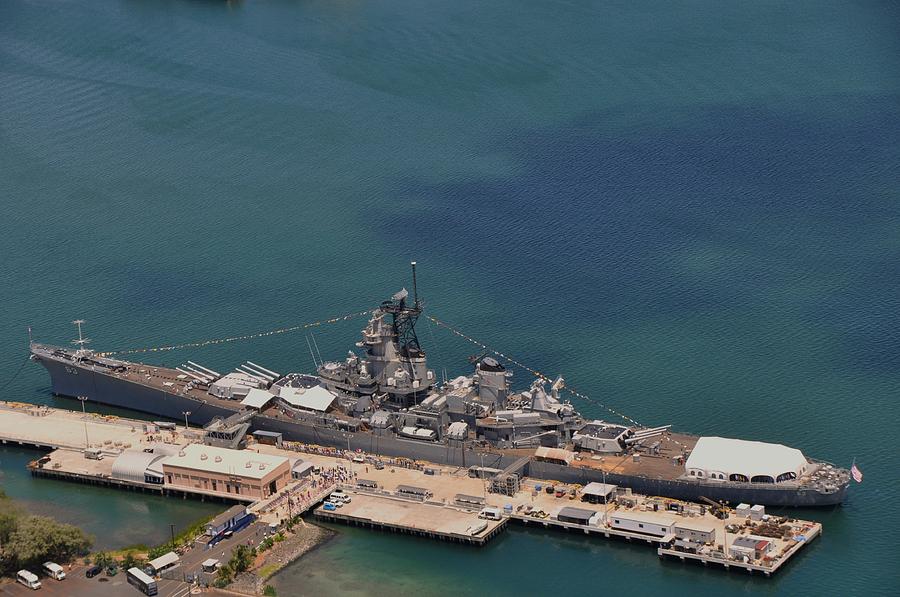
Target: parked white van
(490, 514)
(340, 496)
(28, 579)
(54, 570)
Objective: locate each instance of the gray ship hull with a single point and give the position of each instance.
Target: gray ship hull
(68, 379)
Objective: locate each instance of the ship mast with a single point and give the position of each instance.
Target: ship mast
(81, 339)
(404, 320)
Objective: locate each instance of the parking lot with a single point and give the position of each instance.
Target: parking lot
(77, 585)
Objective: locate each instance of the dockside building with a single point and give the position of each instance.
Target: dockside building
(226, 472)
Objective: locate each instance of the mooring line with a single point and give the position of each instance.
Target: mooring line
(202, 343)
(522, 365)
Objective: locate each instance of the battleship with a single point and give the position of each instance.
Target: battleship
(384, 399)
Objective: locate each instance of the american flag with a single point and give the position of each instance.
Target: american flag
(857, 474)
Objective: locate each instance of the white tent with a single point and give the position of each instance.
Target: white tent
(741, 460)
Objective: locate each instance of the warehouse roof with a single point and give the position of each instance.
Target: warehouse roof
(227, 516)
(737, 456)
(133, 464)
(314, 398)
(242, 463)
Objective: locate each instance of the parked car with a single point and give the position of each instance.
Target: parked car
(340, 496)
(335, 504)
(93, 571)
(112, 570)
(329, 506)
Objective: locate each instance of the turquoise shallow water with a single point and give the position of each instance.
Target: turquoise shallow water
(689, 209)
(114, 518)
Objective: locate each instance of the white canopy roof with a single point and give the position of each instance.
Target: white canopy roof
(599, 489)
(751, 459)
(257, 398)
(314, 398)
(164, 560)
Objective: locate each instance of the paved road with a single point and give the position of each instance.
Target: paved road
(250, 535)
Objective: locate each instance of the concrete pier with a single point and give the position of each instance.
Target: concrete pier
(434, 521)
(43, 427)
(423, 499)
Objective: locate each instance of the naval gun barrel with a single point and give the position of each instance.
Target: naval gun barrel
(252, 375)
(261, 368)
(204, 369)
(193, 375)
(246, 367)
(646, 434)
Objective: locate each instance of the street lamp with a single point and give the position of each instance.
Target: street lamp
(186, 414)
(83, 399)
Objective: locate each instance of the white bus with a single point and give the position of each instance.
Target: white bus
(143, 583)
(54, 570)
(28, 579)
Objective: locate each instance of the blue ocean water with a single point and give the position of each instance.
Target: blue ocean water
(690, 210)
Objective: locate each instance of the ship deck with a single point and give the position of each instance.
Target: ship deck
(661, 466)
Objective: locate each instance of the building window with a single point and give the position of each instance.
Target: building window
(214, 485)
(170, 478)
(640, 526)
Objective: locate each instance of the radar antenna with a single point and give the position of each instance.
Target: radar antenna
(81, 339)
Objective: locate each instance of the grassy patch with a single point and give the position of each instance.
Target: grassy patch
(268, 570)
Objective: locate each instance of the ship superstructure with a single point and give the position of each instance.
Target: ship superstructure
(386, 400)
